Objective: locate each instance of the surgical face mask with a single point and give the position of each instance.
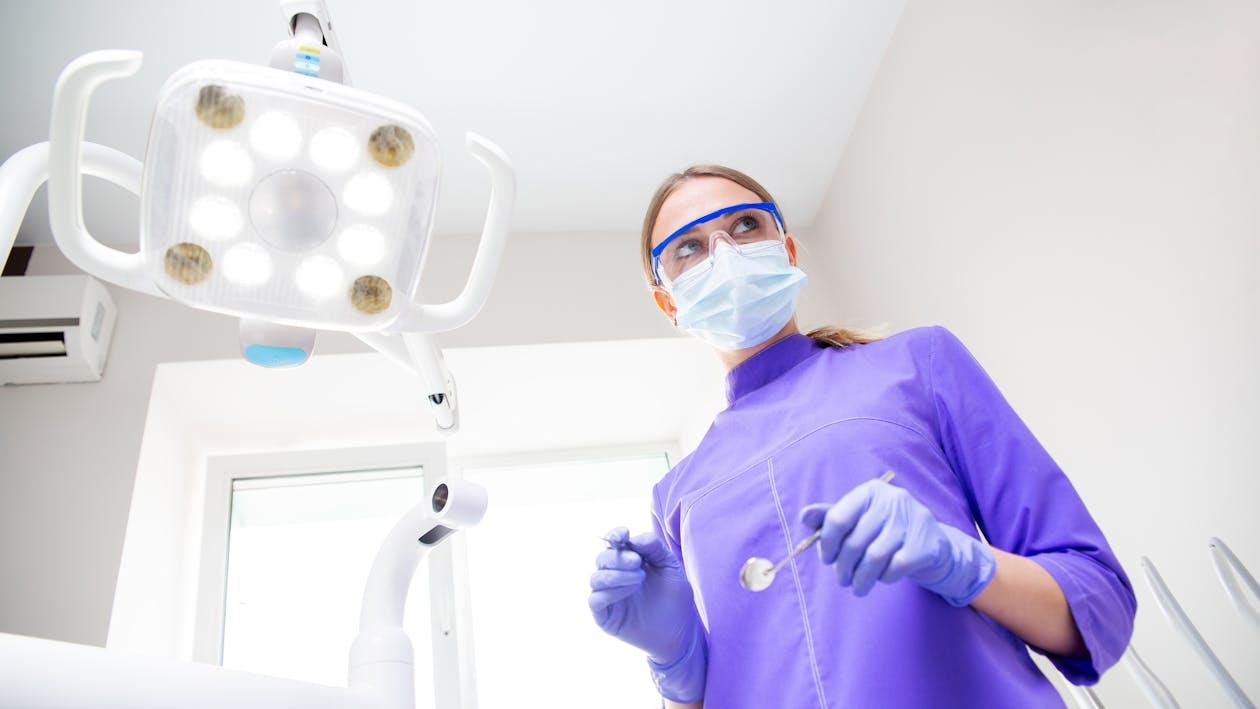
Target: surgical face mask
(741, 296)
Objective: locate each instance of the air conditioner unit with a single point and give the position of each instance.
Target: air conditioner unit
(54, 329)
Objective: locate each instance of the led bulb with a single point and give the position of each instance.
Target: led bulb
(247, 265)
(215, 218)
(226, 163)
(318, 277)
(334, 149)
(276, 136)
(361, 245)
(368, 194)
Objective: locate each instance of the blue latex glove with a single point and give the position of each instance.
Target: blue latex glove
(879, 532)
(640, 595)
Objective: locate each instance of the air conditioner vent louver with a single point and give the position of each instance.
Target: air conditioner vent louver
(16, 345)
(53, 329)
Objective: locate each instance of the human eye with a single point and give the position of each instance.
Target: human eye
(746, 224)
(686, 248)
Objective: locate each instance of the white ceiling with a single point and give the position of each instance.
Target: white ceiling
(594, 102)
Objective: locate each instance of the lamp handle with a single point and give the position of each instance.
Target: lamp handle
(65, 177)
(456, 313)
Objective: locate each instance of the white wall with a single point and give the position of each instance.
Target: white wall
(1072, 187)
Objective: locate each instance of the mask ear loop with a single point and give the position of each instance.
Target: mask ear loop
(663, 282)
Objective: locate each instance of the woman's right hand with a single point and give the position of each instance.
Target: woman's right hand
(640, 595)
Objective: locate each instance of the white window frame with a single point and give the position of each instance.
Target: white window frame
(451, 653)
(449, 592)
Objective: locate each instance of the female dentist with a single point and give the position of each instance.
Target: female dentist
(907, 605)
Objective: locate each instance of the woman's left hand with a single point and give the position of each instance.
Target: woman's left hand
(879, 532)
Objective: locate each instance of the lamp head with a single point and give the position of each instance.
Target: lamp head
(273, 195)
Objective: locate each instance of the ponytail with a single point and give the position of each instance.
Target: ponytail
(840, 337)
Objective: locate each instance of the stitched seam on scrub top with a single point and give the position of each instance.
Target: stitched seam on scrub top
(800, 594)
(964, 479)
(686, 508)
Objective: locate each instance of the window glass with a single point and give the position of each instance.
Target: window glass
(529, 565)
(299, 551)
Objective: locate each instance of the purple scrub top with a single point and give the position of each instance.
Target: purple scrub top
(807, 423)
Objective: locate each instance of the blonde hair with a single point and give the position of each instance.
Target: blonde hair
(830, 336)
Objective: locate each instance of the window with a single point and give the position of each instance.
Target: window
(288, 540)
(529, 563)
(299, 551)
(290, 537)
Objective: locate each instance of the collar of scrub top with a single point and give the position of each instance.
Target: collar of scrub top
(769, 364)
(660, 248)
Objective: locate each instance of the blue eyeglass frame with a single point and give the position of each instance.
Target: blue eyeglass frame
(660, 248)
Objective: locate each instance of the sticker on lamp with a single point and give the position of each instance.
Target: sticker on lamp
(371, 295)
(219, 109)
(391, 146)
(188, 263)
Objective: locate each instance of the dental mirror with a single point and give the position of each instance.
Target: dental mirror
(757, 573)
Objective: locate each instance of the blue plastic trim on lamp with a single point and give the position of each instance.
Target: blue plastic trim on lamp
(275, 357)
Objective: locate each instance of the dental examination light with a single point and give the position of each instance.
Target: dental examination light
(274, 194)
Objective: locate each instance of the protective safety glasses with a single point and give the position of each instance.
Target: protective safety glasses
(691, 245)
